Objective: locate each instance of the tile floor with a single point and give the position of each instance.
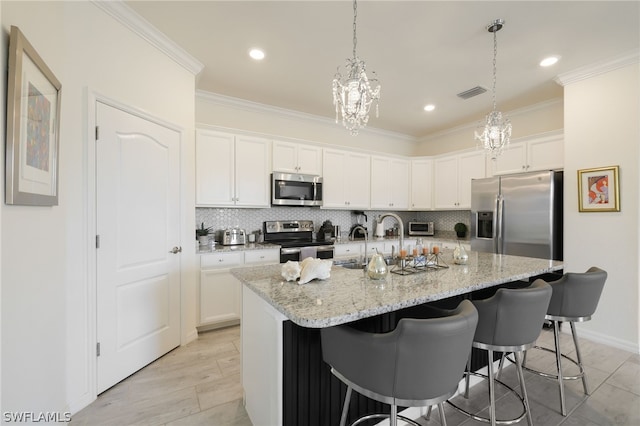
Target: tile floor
(199, 384)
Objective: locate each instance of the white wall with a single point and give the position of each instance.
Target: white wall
(233, 113)
(532, 120)
(46, 279)
(602, 129)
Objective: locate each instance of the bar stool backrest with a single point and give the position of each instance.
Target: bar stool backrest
(576, 295)
(513, 317)
(420, 359)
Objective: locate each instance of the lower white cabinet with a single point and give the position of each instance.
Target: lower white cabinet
(344, 250)
(220, 293)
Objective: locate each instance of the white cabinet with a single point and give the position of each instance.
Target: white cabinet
(257, 257)
(220, 292)
(346, 177)
(389, 183)
(421, 184)
(347, 250)
(452, 179)
(538, 153)
(296, 158)
(232, 170)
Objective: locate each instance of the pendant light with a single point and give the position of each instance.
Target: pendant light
(353, 94)
(495, 133)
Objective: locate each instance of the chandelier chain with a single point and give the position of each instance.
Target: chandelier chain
(355, 15)
(495, 67)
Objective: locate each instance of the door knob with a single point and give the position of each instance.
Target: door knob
(176, 250)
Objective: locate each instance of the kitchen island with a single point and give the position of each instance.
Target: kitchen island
(283, 375)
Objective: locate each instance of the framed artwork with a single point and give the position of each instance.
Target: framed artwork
(33, 127)
(599, 190)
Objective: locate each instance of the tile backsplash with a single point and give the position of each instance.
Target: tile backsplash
(251, 219)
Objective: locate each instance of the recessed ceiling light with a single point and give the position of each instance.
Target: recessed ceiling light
(257, 54)
(547, 62)
(429, 107)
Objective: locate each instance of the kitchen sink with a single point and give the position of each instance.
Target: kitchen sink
(354, 264)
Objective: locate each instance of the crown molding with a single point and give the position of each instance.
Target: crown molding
(511, 113)
(245, 105)
(629, 58)
(140, 26)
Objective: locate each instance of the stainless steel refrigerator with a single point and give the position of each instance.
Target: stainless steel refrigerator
(519, 214)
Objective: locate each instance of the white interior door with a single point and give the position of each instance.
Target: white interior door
(138, 224)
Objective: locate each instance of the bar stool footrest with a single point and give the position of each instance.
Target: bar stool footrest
(383, 416)
(486, 419)
(580, 374)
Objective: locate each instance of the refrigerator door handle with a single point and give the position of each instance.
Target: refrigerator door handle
(499, 240)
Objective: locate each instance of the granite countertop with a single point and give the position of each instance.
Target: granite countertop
(219, 248)
(349, 296)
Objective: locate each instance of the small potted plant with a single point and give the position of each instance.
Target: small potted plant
(202, 234)
(461, 229)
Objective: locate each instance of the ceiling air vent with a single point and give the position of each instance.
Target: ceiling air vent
(475, 91)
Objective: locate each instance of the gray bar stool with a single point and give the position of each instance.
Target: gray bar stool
(509, 321)
(575, 298)
(419, 363)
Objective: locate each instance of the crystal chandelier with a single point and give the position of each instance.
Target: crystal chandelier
(494, 134)
(353, 95)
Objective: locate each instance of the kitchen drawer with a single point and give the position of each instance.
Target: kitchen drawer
(341, 250)
(262, 256)
(221, 260)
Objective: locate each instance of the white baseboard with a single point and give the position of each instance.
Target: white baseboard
(190, 337)
(605, 339)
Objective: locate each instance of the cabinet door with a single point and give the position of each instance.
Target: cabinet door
(470, 166)
(219, 297)
(399, 178)
(421, 184)
(214, 168)
(346, 250)
(357, 180)
(309, 160)
(381, 183)
(446, 182)
(333, 179)
(252, 162)
(545, 154)
(285, 157)
(258, 257)
(512, 160)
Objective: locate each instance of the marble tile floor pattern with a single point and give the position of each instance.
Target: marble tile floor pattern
(199, 384)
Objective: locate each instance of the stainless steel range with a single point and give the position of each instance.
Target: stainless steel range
(296, 240)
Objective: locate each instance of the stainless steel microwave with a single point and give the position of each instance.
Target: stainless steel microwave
(421, 228)
(292, 189)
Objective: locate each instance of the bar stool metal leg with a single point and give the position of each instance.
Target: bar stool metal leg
(345, 407)
(556, 336)
(492, 391)
(579, 357)
(525, 397)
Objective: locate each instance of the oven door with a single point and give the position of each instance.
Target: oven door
(293, 253)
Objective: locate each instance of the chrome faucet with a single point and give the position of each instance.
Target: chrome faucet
(400, 226)
(366, 237)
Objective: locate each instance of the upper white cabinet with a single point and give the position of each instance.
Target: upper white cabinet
(346, 179)
(297, 158)
(538, 153)
(232, 170)
(452, 179)
(389, 183)
(421, 184)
